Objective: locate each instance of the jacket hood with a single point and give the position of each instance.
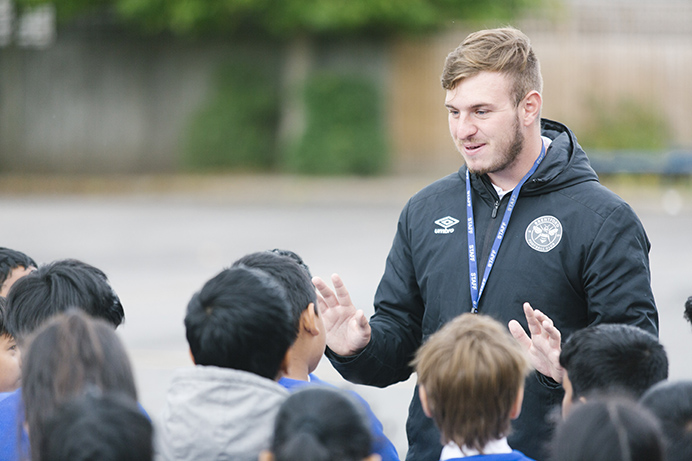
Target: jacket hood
(218, 413)
(564, 165)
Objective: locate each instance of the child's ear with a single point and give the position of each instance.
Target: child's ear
(192, 357)
(266, 455)
(373, 457)
(423, 396)
(308, 320)
(516, 407)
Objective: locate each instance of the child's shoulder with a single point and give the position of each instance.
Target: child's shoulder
(513, 456)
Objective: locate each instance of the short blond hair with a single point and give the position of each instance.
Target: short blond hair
(472, 371)
(506, 50)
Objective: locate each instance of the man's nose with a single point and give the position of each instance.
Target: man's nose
(465, 128)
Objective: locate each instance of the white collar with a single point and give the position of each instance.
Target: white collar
(452, 450)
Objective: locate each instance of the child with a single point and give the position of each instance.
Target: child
(307, 350)
(597, 359)
(671, 403)
(238, 328)
(306, 428)
(50, 290)
(95, 426)
(471, 383)
(13, 266)
(608, 429)
(70, 354)
(10, 371)
(611, 358)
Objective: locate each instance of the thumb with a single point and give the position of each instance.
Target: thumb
(519, 334)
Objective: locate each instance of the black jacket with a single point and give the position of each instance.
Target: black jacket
(573, 249)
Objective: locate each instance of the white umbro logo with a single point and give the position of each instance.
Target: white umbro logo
(446, 223)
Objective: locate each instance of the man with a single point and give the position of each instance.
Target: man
(568, 246)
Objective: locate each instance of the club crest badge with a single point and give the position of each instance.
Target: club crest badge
(544, 233)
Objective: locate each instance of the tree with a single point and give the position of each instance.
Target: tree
(288, 18)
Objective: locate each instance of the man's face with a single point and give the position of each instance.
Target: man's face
(484, 122)
(14, 275)
(10, 364)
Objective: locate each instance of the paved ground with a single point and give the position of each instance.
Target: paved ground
(159, 239)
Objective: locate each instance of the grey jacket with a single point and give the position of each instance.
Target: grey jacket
(216, 413)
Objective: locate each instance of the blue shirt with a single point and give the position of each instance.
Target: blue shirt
(14, 441)
(383, 446)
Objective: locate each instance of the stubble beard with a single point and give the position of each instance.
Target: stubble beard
(508, 157)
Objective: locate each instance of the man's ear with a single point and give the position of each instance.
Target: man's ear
(423, 396)
(531, 107)
(192, 357)
(515, 411)
(308, 320)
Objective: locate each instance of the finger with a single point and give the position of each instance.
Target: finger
(344, 298)
(519, 334)
(361, 321)
(328, 297)
(554, 335)
(532, 322)
(321, 303)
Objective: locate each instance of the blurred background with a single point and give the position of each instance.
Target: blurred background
(160, 140)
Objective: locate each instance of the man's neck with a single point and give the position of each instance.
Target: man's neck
(508, 178)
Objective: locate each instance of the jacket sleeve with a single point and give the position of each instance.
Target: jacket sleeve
(617, 280)
(396, 324)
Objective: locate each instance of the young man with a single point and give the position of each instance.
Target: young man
(51, 289)
(525, 220)
(238, 327)
(304, 355)
(13, 266)
(471, 383)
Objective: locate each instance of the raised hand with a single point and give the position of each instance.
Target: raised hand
(544, 345)
(348, 331)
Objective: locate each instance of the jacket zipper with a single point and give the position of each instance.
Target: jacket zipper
(497, 206)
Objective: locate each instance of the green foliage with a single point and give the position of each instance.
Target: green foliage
(344, 132)
(628, 124)
(285, 18)
(236, 127)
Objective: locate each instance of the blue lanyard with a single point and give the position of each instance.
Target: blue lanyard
(473, 265)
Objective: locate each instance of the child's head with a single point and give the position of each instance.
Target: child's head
(671, 403)
(471, 380)
(68, 355)
(10, 357)
(611, 357)
(13, 266)
(321, 424)
(107, 427)
(56, 287)
(608, 429)
(300, 291)
(288, 268)
(240, 319)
